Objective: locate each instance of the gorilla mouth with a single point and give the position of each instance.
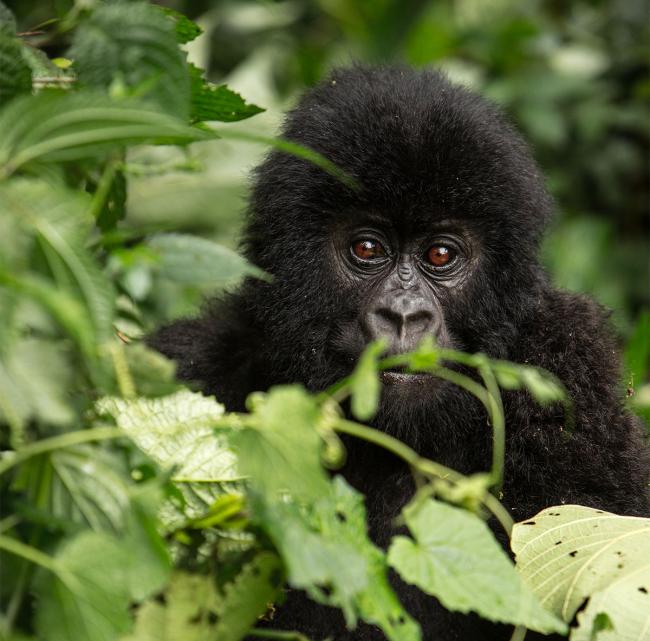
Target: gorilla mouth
(398, 376)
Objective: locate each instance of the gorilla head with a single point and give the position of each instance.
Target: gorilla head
(440, 238)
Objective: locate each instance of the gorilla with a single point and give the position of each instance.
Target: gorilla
(440, 237)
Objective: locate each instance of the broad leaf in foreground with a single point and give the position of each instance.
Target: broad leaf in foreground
(189, 612)
(454, 557)
(329, 570)
(178, 431)
(98, 576)
(571, 553)
(343, 518)
(279, 446)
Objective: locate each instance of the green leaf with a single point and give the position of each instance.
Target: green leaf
(34, 383)
(65, 307)
(425, 357)
(343, 519)
(98, 576)
(543, 386)
(189, 612)
(177, 432)
(279, 448)
(455, 558)
(88, 488)
(55, 126)
(148, 563)
(135, 45)
(15, 73)
(90, 600)
(192, 260)
(570, 553)
(210, 102)
(186, 29)
(58, 217)
(246, 598)
(330, 571)
(364, 382)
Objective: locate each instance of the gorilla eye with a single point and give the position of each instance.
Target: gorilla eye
(367, 249)
(441, 255)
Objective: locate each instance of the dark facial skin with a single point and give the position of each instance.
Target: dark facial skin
(405, 281)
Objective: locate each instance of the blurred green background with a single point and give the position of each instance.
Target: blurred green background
(573, 75)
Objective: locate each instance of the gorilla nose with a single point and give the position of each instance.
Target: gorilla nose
(403, 320)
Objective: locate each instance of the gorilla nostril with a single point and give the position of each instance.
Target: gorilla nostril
(403, 326)
(421, 318)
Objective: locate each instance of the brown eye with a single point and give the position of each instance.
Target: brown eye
(440, 255)
(367, 249)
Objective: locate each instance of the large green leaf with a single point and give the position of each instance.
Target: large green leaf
(193, 260)
(99, 575)
(570, 554)
(343, 518)
(56, 126)
(331, 571)
(89, 488)
(133, 44)
(177, 431)
(455, 558)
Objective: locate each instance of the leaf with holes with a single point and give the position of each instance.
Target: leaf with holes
(571, 554)
(247, 596)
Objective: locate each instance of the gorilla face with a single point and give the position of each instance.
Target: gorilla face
(406, 282)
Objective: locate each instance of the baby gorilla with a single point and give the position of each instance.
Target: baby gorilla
(439, 238)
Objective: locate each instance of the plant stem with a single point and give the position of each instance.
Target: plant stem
(122, 372)
(103, 188)
(31, 554)
(519, 633)
(410, 456)
(498, 424)
(58, 442)
(422, 465)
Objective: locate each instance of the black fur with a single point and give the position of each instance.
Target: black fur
(422, 150)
